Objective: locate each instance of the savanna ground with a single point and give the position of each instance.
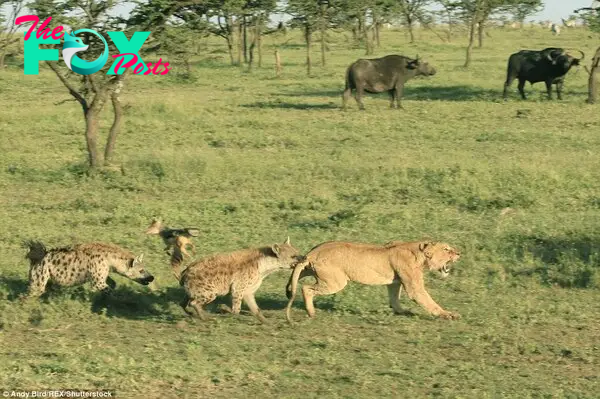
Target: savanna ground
(251, 159)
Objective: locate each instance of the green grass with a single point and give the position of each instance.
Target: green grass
(251, 159)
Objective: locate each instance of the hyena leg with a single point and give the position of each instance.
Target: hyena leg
(198, 304)
(38, 279)
(100, 281)
(251, 303)
(326, 285)
(111, 283)
(185, 303)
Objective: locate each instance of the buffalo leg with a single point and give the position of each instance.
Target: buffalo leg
(559, 86)
(549, 89)
(398, 92)
(392, 98)
(507, 84)
(522, 88)
(360, 92)
(346, 97)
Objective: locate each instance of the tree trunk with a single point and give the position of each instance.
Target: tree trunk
(259, 39)
(377, 29)
(323, 48)
(592, 81)
(245, 32)
(410, 30)
(91, 135)
(323, 30)
(116, 126)
(277, 64)
(2, 56)
(230, 37)
(471, 41)
(480, 30)
(368, 40)
(239, 41)
(308, 37)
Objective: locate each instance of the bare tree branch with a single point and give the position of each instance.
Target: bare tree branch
(69, 87)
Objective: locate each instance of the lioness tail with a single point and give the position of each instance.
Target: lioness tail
(295, 277)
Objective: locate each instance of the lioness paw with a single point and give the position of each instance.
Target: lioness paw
(450, 316)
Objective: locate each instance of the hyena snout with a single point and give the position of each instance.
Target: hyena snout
(146, 279)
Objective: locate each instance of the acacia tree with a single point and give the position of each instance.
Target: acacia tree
(8, 28)
(591, 15)
(448, 13)
(259, 11)
(305, 15)
(476, 14)
(412, 11)
(92, 92)
(522, 10)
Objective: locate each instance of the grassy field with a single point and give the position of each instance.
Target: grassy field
(251, 159)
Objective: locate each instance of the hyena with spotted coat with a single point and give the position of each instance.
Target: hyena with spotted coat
(80, 263)
(240, 273)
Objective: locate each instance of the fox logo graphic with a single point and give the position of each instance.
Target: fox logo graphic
(128, 56)
(74, 45)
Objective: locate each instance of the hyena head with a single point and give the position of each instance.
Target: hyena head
(134, 270)
(287, 255)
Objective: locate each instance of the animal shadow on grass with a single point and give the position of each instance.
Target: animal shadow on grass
(279, 302)
(418, 93)
(14, 285)
(568, 261)
(289, 105)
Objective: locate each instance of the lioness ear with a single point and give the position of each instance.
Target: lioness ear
(423, 245)
(276, 250)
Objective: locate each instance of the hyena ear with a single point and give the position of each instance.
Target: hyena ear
(276, 250)
(137, 259)
(288, 241)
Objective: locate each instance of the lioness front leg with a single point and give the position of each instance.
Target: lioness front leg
(416, 291)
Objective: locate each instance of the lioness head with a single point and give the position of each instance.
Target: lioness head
(439, 256)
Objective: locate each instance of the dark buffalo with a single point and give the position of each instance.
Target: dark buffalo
(377, 75)
(549, 65)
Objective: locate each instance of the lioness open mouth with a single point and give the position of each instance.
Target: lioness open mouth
(445, 271)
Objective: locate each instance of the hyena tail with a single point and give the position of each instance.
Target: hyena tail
(37, 251)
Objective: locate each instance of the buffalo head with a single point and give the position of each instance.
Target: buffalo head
(564, 58)
(421, 67)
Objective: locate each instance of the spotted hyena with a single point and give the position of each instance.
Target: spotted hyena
(239, 273)
(80, 263)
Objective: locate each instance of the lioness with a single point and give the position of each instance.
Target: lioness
(395, 264)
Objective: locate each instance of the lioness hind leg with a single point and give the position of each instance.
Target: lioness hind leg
(394, 292)
(321, 288)
(303, 273)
